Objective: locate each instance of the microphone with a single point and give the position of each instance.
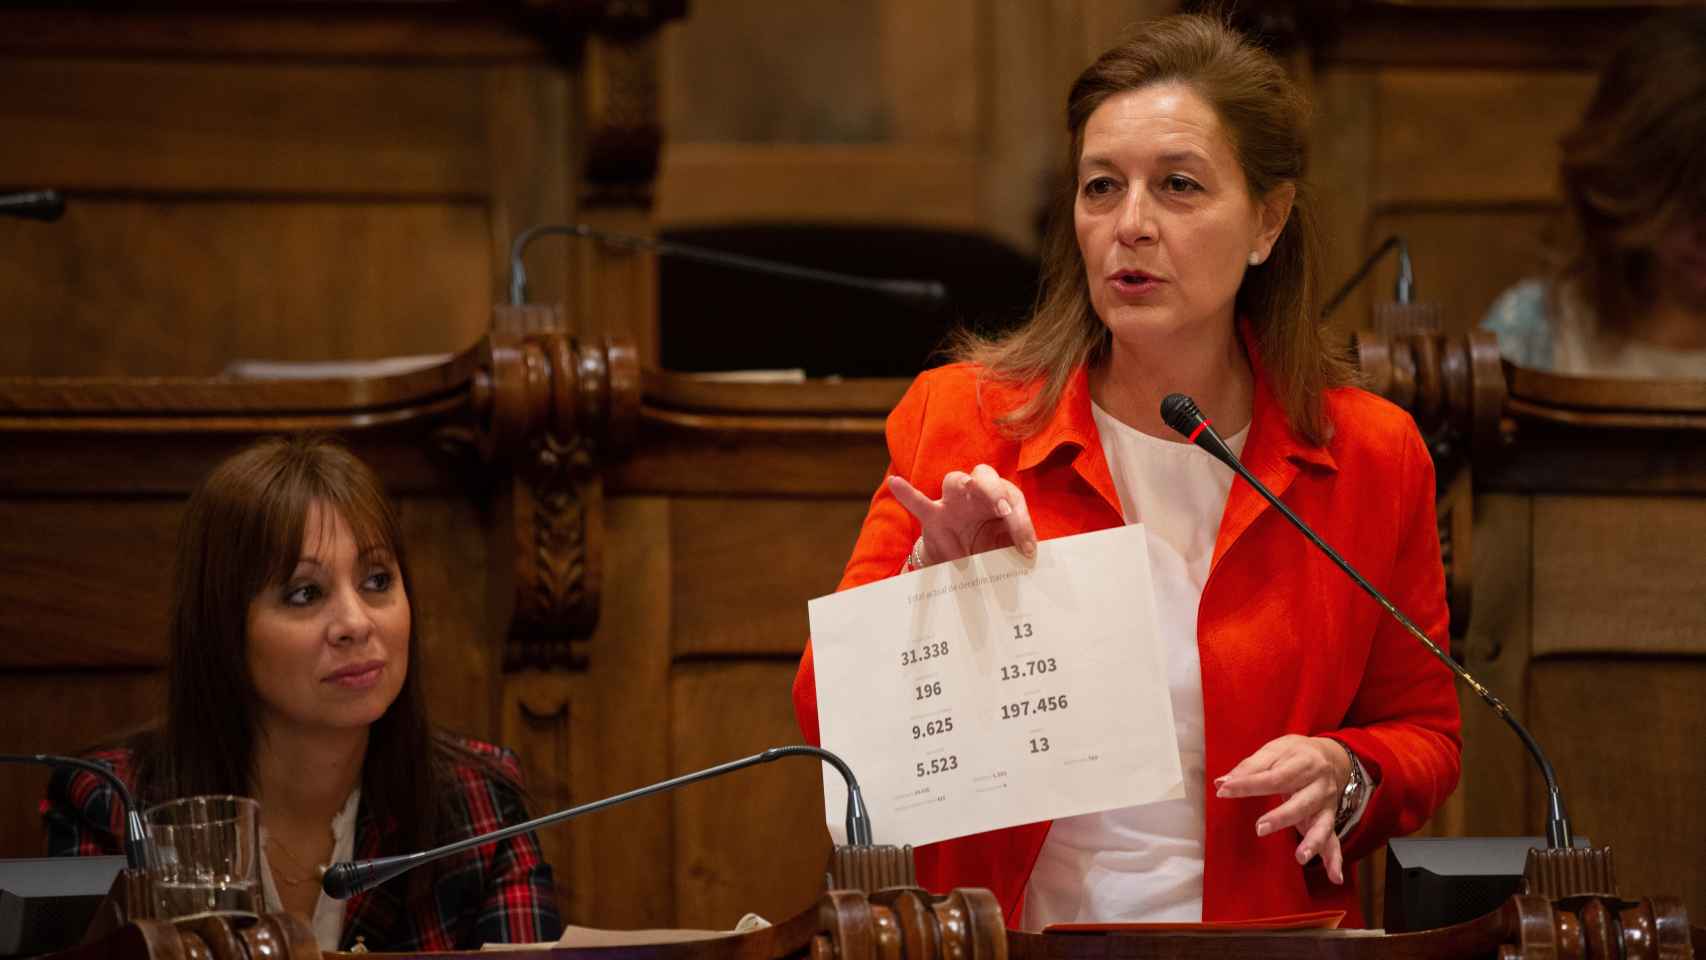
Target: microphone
(1406, 278)
(343, 880)
(44, 205)
(1180, 412)
(138, 852)
(924, 293)
(1404, 315)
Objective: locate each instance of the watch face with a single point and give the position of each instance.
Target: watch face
(1350, 799)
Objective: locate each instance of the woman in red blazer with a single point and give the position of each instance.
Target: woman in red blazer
(1183, 260)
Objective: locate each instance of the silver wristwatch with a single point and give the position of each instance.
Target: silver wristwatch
(1356, 789)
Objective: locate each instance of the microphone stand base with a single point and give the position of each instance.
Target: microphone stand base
(873, 868)
(1577, 872)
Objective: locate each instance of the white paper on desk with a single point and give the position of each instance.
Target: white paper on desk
(995, 691)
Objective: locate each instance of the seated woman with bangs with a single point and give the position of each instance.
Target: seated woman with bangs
(295, 677)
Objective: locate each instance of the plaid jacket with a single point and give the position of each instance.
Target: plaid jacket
(496, 893)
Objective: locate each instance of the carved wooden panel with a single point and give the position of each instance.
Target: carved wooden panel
(85, 583)
(947, 113)
(539, 724)
(1493, 786)
(1461, 160)
(1624, 736)
(753, 841)
(1463, 278)
(744, 183)
(744, 569)
(202, 126)
(449, 563)
(620, 716)
(1472, 137)
(709, 454)
(155, 286)
(61, 711)
(1619, 576)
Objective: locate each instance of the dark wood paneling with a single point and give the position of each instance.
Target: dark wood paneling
(1613, 460)
(84, 583)
(1625, 738)
(726, 456)
(744, 570)
(390, 34)
(1462, 278)
(795, 59)
(1459, 159)
(1494, 782)
(217, 127)
(150, 288)
(109, 463)
(55, 712)
(527, 126)
(1619, 576)
(622, 861)
(1473, 136)
(1472, 34)
(461, 632)
(753, 841)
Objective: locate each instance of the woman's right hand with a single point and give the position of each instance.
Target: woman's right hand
(978, 511)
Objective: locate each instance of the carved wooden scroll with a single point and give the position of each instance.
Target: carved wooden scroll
(1453, 385)
(551, 406)
(912, 924)
(909, 924)
(1455, 388)
(271, 936)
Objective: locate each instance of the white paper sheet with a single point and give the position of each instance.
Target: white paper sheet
(995, 691)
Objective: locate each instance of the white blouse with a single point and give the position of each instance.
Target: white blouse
(1145, 863)
(328, 919)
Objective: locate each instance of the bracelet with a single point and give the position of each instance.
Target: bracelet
(915, 560)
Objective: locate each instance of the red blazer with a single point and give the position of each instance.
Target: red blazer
(1288, 643)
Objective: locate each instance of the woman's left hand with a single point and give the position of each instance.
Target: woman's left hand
(1312, 772)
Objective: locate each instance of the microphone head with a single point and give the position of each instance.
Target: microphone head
(1180, 412)
(340, 880)
(44, 205)
(927, 294)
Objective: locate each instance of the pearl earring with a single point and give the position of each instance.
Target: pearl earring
(1255, 258)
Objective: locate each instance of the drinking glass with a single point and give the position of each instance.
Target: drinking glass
(207, 856)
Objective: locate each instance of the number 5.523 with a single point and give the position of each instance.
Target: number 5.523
(935, 765)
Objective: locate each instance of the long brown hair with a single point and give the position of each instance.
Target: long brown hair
(1266, 118)
(241, 533)
(1635, 164)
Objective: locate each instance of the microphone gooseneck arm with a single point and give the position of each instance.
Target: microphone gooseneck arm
(1402, 291)
(137, 852)
(1180, 412)
(343, 880)
(925, 292)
